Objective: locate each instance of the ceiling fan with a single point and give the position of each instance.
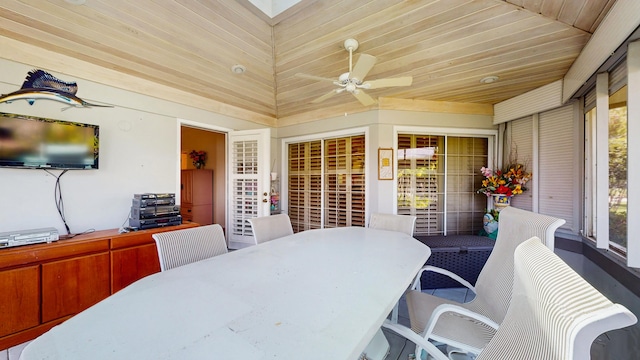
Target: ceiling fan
(353, 80)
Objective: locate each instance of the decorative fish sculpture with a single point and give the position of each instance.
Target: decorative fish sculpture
(40, 85)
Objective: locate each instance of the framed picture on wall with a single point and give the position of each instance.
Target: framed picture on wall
(385, 164)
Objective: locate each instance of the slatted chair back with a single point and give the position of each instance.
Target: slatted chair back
(554, 313)
(185, 246)
(266, 228)
(492, 288)
(401, 223)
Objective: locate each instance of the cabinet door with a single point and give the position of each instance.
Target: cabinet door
(186, 186)
(20, 299)
(131, 264)
(202, 187)
(72, 285)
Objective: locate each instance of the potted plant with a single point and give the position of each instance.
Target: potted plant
(502, 185)
(198, 158)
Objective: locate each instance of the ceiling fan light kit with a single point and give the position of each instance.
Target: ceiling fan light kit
(353, 81)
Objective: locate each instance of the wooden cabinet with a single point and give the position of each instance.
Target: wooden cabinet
(42, 285)
(196, 196)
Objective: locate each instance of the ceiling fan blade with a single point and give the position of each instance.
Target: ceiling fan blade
(327, 95)
(399, 81)
(363, 66)
(364, 98)
(312, 77)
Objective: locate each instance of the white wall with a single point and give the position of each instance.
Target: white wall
(139, 152)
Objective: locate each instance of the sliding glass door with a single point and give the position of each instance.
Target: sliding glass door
(326, 183)
(437, 180)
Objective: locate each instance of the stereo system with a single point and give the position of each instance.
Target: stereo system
(26, 237)
(150, 211)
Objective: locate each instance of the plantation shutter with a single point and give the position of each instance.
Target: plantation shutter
(521, 148)
(344, 181)
(558, 165)
(421, 182)
(305, 185)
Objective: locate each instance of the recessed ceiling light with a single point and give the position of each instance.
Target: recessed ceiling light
(238, 69)
(76, 2)
(489, 79)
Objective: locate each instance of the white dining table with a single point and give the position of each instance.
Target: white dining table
(317, 294)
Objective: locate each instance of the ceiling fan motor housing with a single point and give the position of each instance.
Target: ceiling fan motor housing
(351, 44)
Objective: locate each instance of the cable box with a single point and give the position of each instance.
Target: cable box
(26, 237)
(142, 203)
(154, 196)
(157, 222)
(153, 212)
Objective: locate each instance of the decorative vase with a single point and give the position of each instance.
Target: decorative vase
(198, 164)
(489, 223)
(501, 201)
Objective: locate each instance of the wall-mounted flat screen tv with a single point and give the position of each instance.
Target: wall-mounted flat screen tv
(40, 143)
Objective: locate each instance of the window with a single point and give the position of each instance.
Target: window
(606, 143)
(326, 183)
(437, 180)
(618, 169)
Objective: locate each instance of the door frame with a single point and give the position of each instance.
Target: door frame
(206, 127)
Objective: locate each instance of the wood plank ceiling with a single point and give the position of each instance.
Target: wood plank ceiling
(191, 45)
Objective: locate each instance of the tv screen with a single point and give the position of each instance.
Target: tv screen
(33, 142)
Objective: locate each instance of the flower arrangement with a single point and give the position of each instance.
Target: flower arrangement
(198, 158)
(509, 181)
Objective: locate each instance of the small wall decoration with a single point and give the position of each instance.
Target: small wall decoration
(385, 164)
(40, 85)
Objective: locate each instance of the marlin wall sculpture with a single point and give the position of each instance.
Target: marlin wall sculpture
(40, 85)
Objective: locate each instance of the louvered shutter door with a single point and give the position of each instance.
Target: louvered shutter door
(522, 143)
(245, 186)
(305, 185)
(344, 181)
(558, 165)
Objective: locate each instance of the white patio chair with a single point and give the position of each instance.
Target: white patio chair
(554, 314)
(401, 223)
(181, 247)
(492, 289)
(267, 228)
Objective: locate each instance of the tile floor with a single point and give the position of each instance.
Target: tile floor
(621, 344)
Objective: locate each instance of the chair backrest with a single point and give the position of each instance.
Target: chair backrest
(181, 247)
(271, 227)
(493, 287)
(401, 223)
(554, 313)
